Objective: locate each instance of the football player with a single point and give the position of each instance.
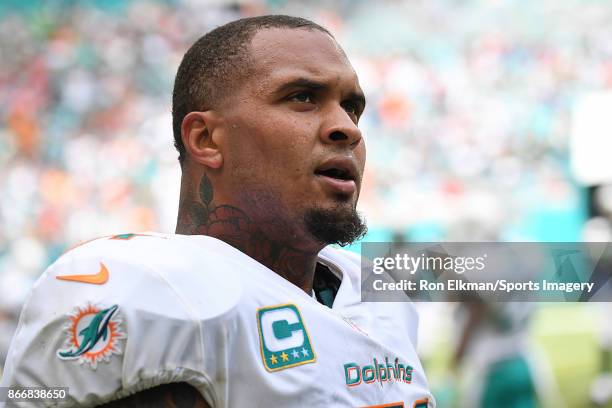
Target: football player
(246, 305)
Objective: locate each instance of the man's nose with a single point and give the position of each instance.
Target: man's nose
(339, 129)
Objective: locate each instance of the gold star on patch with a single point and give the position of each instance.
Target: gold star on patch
(273, 359)
(285, 356)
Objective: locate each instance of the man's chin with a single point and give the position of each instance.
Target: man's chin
(340, 224)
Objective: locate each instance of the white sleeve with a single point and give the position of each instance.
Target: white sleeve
(104, 341)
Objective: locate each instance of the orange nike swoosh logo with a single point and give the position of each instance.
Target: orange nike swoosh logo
(99, 278)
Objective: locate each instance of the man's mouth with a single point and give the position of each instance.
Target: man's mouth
(339, 175)
(335, 173)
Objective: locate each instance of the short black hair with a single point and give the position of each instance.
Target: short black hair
(217, 62)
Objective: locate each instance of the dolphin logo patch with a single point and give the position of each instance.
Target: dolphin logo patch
(93, 335)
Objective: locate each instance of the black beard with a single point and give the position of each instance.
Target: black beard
(335, 226)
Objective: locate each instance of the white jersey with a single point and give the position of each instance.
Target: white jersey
(123, 314)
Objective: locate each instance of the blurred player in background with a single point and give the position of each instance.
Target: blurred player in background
(246, 305)
(493, 354)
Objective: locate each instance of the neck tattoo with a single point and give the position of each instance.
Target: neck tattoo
(232, 225)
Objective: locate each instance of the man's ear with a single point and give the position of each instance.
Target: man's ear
(197, 133)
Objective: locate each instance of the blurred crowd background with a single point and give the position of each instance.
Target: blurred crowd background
(473, 116)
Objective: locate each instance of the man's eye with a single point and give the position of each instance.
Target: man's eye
(351, 108)
(303, 97)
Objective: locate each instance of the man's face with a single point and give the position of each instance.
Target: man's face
(292, 145)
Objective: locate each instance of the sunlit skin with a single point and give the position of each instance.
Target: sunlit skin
(260, 148)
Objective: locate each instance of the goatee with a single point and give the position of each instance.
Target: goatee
(337, 225)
